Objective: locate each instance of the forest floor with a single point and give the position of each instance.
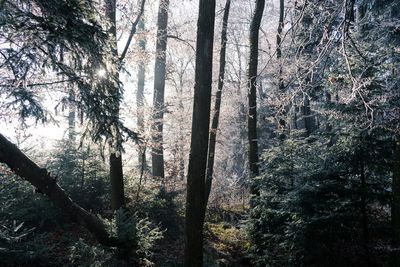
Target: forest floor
(225, 243)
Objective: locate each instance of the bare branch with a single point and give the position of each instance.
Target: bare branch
(182, 40)
(133, 31)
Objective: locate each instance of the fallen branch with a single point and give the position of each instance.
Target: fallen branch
(39, 177)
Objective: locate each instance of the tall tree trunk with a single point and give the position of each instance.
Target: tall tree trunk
(179, 143)
(252, 92)
(217, 107)
(282, 125)
(199, 138)
(157, 153)
(140, 92)
(39, 177)
(279, 42)
(181, 152)
(396, 206)
(116, 173)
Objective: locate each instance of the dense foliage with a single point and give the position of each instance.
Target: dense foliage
(326, 189)
(321, 200)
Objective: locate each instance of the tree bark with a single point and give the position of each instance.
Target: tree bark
(180, 144)
(252, 92)
(71, 115)
(282, 125)
(140, 93)
(117, 181)
(307, 116)
(157, 153)
(279, 43)
(116, 172)
(39, 177)
(199, 138)
(217, 106)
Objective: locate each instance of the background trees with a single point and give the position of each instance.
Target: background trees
(157, 154)
(327, 182)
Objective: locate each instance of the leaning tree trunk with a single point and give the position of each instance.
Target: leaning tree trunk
(199, 139)
(116, 172)
(39, 177)
(157, 153)
(252, 93)
(217, 107)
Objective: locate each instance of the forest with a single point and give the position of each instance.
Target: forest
(197, 133)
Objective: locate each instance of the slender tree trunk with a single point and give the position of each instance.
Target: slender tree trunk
(239, 71)
(83, 165)
(39, 177)
(200, 133)
(181, 172)
(252, 92)
(364, 213)
(281, 86)
(179, 157)
(180, 144)
(279, 43)
(140, 92)
(396, 206)
(217, 107)
(71, 143)
(116, 170)
(116, 173)
(157, 153)
(71, 115)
